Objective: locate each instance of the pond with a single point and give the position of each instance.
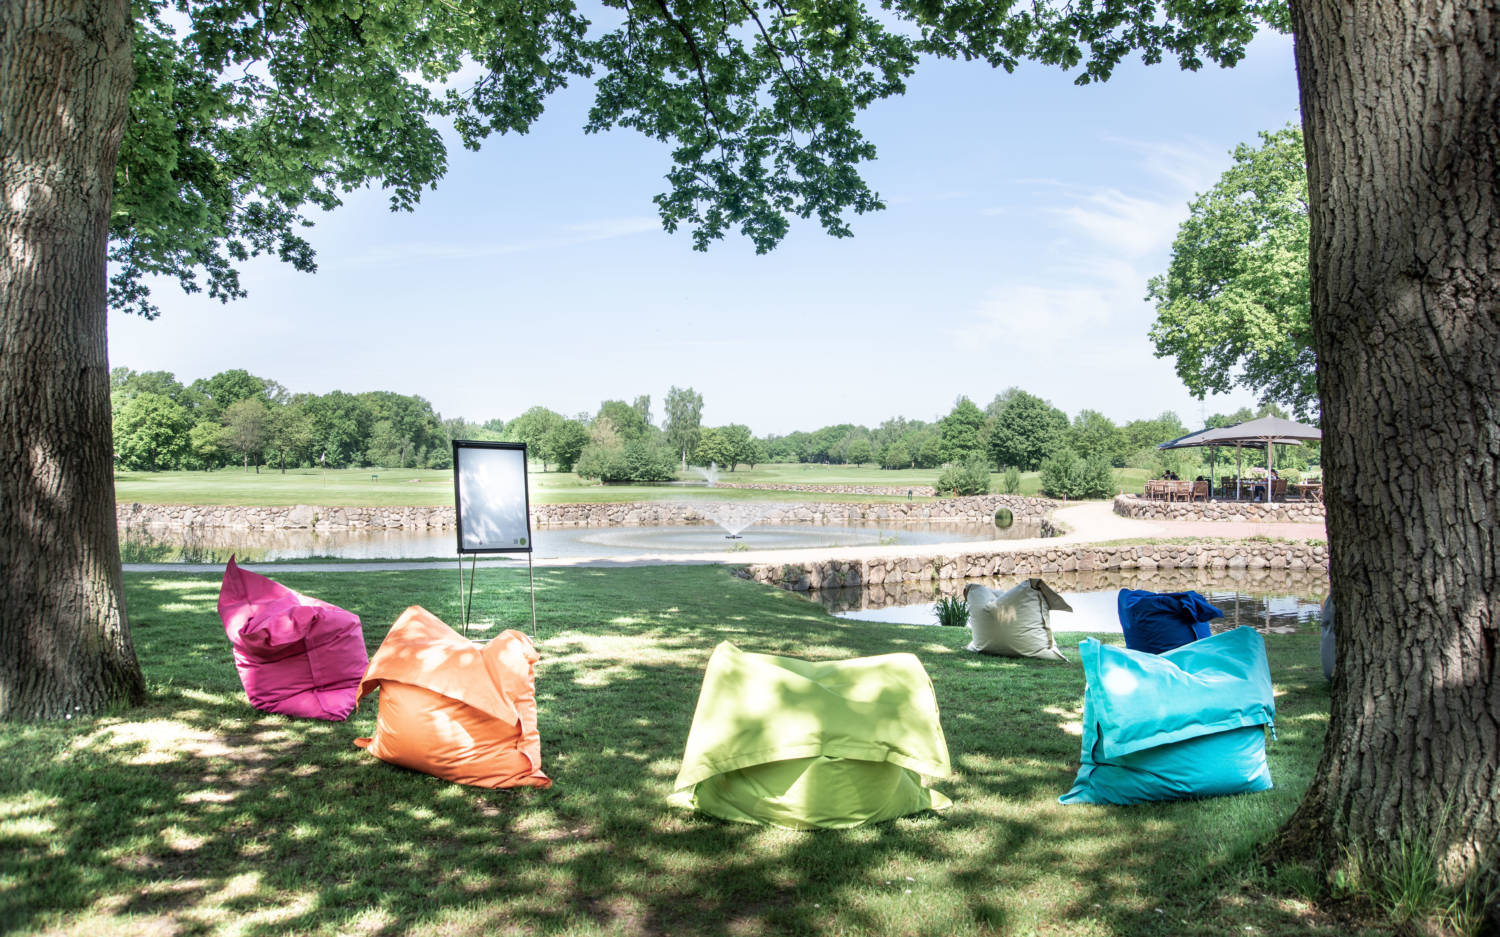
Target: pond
(1271, 601)
(149, 544)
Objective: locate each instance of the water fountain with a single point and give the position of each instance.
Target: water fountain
(734, 516)
(710, 474)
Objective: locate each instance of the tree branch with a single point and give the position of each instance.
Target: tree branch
(692, 43)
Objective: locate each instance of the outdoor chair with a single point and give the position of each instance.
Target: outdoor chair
(1200, 491)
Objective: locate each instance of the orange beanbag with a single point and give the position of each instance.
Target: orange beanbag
(453, 709)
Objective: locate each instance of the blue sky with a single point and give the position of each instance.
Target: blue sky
(1025, 216)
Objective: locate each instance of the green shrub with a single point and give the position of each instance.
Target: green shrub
(1064, 475)
(1098, 478)
(952, 611)
(640, 460)
(595, 461)
(970, 478)
(649, 461)
(1010, 482)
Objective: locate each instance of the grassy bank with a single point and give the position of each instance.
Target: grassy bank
(421, 487)
(196, 814)
(401, 487)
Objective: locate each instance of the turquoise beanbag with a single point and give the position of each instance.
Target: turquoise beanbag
(1187, 723)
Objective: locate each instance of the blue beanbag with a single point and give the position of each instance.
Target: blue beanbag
(1156, 622)
(1187, 723)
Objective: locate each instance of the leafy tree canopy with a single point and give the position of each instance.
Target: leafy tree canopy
(961, 431)
(1147, 434)
(244, 116)
(564, 443)
(125, 383)
(1026, 430)
(1095, 435)
(220, 392)
(151, 431)
(1234, 306)
(628, 421)
(532, 428)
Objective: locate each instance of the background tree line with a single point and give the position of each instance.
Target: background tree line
(1022, 431)
(237, 418)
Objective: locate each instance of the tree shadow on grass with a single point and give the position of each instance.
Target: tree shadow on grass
(197, 814)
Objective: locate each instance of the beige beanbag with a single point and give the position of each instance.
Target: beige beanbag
(1014, 623)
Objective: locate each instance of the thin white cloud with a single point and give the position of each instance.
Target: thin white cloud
(1109, 242)
(1190, 166)
(1042, 317)
(564, 236)
(919, 197)
(1123, 224)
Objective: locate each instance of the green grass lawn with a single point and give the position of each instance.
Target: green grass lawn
(394, 487)
(400, 487)
(195, 814)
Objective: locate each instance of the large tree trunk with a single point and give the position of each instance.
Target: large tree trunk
(65, 74)
(1401, 110)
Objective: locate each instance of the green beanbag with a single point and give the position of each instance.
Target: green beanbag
(812, 745)
(1014, 623)
(1187, 723)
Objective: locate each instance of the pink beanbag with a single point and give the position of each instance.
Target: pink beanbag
(296, 655)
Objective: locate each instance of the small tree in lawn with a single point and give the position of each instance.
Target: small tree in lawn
(896, 456)
(860, 451)
(684, 420)
(247, 428)
(714, 447)
(564, 442)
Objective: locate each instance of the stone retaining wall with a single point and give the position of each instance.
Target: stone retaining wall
(1219, 555)
(920, 491)
(1150, 509)
(1311, 582)
(650, 513)
(295, 517)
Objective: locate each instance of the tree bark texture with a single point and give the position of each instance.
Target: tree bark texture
(65, 76)
(1401, 113)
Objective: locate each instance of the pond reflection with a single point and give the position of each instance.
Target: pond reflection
(1271, 601)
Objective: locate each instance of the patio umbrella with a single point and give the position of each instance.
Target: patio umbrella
(1196, 439)
(1191, 439)
(1257, 434)
(1264, 431)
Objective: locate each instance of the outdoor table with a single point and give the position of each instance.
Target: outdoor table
(1312, 491)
